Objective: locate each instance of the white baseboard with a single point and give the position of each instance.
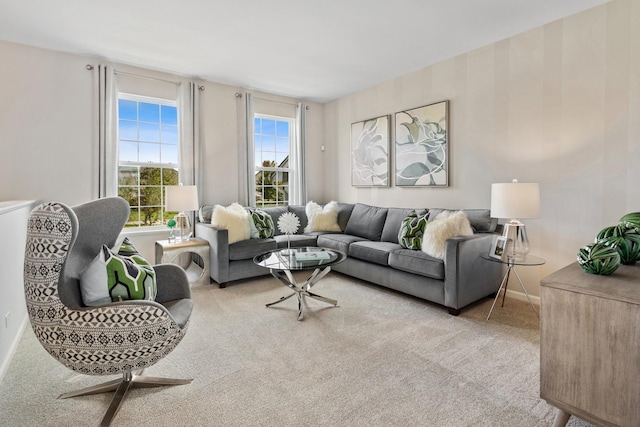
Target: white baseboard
(522, 297)
(4, 367)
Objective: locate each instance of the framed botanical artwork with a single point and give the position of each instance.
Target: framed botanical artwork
(497, 247)
(370, 152)
(422, 146)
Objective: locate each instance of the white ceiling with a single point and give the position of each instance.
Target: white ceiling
(317, 50)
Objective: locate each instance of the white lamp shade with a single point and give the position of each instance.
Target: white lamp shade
(515, 200)
(181, 198)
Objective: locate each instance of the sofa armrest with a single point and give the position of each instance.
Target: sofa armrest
(218, 239)
(468, 276)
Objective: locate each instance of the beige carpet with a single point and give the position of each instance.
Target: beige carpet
(380, 358)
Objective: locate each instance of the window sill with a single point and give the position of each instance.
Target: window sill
(145, 231)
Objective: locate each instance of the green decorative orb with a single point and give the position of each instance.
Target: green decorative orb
(623, 239)
(171, 223)
(598, 258)
(631, 220)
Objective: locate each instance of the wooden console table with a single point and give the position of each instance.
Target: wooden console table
(590, 345)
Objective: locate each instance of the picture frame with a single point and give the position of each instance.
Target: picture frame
(422, 146)
(370, 152)
(498, 247)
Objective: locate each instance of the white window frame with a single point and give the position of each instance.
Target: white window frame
(176, 166)
(289, 170)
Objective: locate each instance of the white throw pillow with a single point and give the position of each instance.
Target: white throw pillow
(446, 225)
(235, 219)
(322, 219)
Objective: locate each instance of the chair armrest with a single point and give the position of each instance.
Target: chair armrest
(172, 281)
(218, 239)
(468, 277)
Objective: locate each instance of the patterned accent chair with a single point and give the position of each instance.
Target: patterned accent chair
(121, 338)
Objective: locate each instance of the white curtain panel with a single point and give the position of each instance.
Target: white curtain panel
(246, 166)
(297, 180)
(107, 95)
(188, 105)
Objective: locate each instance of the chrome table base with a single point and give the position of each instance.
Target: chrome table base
(121, 387)
(302, 290)
(503, 287)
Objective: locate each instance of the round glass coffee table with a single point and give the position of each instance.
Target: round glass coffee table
(282, 262)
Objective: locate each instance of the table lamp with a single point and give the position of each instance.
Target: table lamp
(182, 198)
(515, 201)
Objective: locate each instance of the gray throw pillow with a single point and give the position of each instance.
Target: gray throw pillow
(366, 221)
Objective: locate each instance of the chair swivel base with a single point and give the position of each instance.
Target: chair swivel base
(121, 387)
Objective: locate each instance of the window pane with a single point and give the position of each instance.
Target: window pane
(130, 194)
(149, 112)
(280, 159)
(169, 176)
(256, 125)
(128, 151)
(169, 115)
(149, 132)
(169, 134)
(149, 152)
(282, 144)
(150, 176)
(169, 154)
(268, 127)
(134, 218)
(282, 128)
(268, 143)
(127, 129)
(127, 109)
(150, 216)
(150, 196)
(127, 175)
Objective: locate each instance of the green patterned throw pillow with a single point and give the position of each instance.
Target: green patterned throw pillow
(263, 223)
(118, 276)
(412, 231)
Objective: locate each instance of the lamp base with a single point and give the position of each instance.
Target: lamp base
(183, 227)
(517, 246)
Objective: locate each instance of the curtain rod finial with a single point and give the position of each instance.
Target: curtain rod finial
(238, 95)
(89, 67)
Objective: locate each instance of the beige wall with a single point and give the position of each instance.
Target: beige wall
(48, 133)
(558, 105)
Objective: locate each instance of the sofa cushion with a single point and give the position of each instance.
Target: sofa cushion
(393, 222)
(275, 213)
(322, 218)
(297, 240)
(344, 213)
(377, 252)
(480, 219)
(443, 227)
(340, 242)
(366, 221)
(298, 210)
(412, 231)
(235, 219)
(417, 262)
(247, 249)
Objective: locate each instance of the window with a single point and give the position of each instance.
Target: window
(272, 143)
(148, 156)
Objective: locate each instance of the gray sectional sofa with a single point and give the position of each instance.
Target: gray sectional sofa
(370, 240)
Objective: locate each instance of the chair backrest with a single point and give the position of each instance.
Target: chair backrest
(99, 222)
(51, 231)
